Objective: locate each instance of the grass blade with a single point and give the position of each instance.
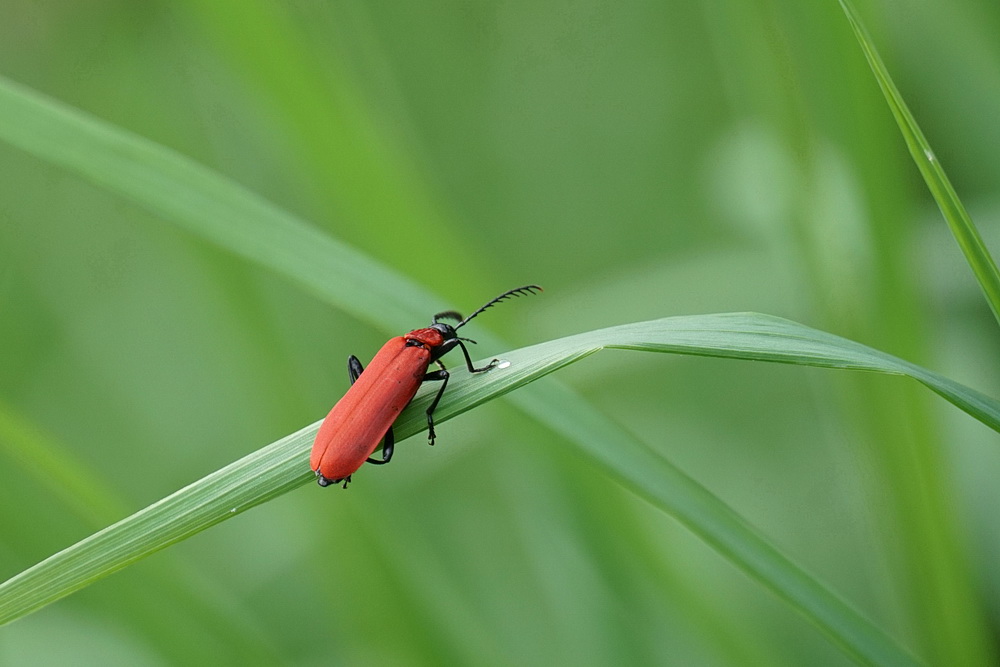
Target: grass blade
(222, 212)
(210, 206)
(961, 225)
(281, 466)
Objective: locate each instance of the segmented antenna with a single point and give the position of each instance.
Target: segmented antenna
(518, 291)
(449, 314)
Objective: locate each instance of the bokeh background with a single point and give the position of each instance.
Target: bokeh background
(637, 159)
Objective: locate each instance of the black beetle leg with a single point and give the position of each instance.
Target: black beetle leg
(354, 368)
(388, 444)
(468, 361)
(437, 376)
(326, 481)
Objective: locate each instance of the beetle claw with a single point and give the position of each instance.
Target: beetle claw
(326, 481)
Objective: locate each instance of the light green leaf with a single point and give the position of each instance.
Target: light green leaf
(961, 225)
(216, 209)
(282, 466)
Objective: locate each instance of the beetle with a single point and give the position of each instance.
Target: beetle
(364, 416)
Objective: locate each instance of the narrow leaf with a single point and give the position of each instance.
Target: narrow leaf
(283, 466)
(958, 219)
(222, 212)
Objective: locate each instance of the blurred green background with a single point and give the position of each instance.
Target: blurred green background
(638, 160)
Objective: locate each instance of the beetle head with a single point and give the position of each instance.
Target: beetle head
(446, 330)
(448, 333)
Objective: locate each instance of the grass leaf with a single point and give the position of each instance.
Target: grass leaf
(961, 225)
(222, 212)
(281, 466)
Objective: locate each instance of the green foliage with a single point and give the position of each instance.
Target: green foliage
(278, 468)
(137, 346)
(965, 232)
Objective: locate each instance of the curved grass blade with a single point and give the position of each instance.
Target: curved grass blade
(216, 209)
(250, 481)
(281, 466)
(961, 225)
(210, 206)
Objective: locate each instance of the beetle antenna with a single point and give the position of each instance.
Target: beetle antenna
(518, 291)
(449, 314)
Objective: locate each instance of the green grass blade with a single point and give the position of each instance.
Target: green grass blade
(210, 206)
(281, 466)
(61, 473)
(961, 225)
(82, 492)
(214, 208)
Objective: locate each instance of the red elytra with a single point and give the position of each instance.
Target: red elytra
(390, 381)
(352, 430)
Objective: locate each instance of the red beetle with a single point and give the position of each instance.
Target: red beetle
(364, 416)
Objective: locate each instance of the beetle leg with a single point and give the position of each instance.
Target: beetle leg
(442, 376)
(468, 360)
(388, 444)
(326, 481)
(354, 368)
